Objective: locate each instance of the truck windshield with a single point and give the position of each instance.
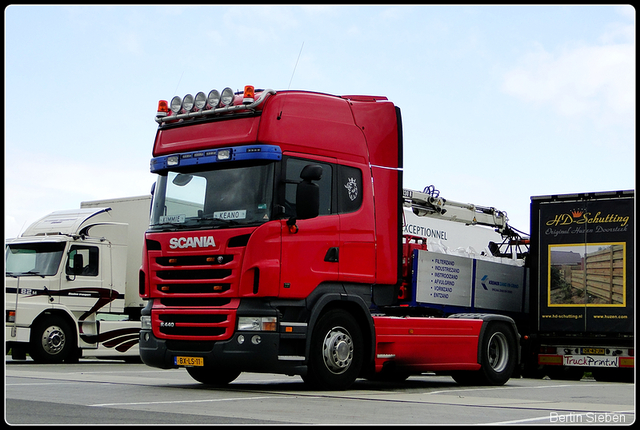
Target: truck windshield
(238, 195)
(34, 259)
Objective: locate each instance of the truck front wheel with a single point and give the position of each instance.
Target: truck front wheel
(210, 376)
(52, 340)
(498, 357)
(336, 352)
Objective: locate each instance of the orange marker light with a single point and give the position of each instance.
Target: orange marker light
(163, 108)
(269, 325)
(249, 94)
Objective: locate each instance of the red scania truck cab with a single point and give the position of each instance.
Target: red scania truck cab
(275, 244)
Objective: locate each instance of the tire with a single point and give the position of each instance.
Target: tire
(498, 357)
(562, 373)
(613, 375)
(52, 340)
(209, 376)
(336, 352)
(394, 377)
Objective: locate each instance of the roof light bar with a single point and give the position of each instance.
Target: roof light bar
(214, 103)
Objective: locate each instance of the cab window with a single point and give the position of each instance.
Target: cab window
(86, 257)
(293, 168)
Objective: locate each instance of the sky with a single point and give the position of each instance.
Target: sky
(499, 103)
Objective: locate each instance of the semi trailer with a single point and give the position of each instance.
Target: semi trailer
(583, 285)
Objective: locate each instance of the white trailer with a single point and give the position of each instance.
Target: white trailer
(71, 282)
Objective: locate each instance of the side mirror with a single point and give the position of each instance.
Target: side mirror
(78, 264)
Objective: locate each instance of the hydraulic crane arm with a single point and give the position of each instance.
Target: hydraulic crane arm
(430, 204)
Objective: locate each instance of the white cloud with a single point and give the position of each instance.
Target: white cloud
(596, 82)
(37, 184)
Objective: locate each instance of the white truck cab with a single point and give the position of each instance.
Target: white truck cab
(71, 282)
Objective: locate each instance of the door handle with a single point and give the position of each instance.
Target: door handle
(332, 255)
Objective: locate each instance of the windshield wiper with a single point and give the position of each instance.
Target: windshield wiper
(176, 225)
(220, 220)
(30, 272)
(199, 223)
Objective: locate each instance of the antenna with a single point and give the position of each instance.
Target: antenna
(290, 80)
(178, 84)
(294, 67)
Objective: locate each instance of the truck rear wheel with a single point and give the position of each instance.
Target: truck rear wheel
(52, 340)
(498, 356)
(210, 376)
(613, 374)
(564, 373)
(336, 353)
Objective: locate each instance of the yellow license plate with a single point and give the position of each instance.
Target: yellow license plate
(596, 351)
(189, 361)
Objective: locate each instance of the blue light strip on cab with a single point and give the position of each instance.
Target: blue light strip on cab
(219, 155)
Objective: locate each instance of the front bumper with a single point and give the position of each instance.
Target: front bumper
(245, 352)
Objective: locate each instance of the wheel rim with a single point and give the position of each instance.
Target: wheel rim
(498, 352)
(53, 340)
(337, 350)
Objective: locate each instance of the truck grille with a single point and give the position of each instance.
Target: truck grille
(195, 291)
(185, 275)
(192, 325)
(194, 260)
(195, 323)
(194, 288)
(193, 274)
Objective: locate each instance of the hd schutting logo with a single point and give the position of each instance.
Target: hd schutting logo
(581, 216)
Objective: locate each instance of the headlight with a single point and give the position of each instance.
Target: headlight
(176, 104)
(257, 323)
(213, 99)
(224, 154)
(227, 97)
(145, 322)
(187, 103)
(200, 101)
